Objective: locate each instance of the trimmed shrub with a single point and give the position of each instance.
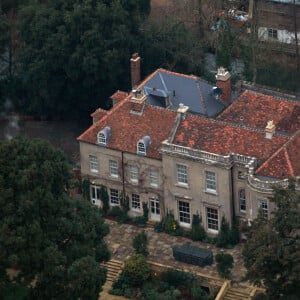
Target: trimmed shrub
(224, 264)
(140, 243)
(223, 238)
(171, 225)
(105, 199)
(145, 211)
(136, 270)
(177, 278)
(198, 233)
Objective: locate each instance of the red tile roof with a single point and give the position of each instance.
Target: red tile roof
(285, 162)
(257, 109)
(99, 113)
(223, 138)
(127, 128)
(118, 96)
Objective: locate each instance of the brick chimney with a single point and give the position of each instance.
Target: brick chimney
(223, 78)
(270, 130)
(135, 67)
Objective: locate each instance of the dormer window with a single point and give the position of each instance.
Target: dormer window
(143, 144)
(103, 136)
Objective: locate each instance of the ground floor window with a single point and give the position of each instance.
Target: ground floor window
(95, 194)
(114, 197)
(212, 219)
(135, 202)
(263, 205)
(184, 212)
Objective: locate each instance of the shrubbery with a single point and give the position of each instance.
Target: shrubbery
(140, 243)
(224, 264)
(198, 233)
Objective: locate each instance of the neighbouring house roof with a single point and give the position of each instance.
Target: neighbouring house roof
(128, 128)
(99, 113)
(225, 138)
(256, 109)
(180, 88)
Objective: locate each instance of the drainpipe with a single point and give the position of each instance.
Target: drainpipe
(123, 174)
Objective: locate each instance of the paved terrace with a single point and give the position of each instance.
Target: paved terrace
(119, 241)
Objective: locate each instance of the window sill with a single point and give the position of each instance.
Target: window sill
(113, 177)
(211, 192)
(136, 209)
(154, 186)
(94, 171)
(185, 225)
(182, 185)
(213, 231)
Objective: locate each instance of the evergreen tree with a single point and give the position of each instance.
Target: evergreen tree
(271, 254)
(50, 238)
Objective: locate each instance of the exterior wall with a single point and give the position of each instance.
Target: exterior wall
(195, 192)
(122, 182)
(283, 36)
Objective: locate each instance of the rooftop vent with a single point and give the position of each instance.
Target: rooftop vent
(216, 91)
(182, 110)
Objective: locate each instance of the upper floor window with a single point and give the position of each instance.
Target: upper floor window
(114, 197)
(242, 200)
(93, 164)
(133, 174)
(143, 144)
(153, 177)
(103, 136)
(135, 202)
(210, 181)
(263, 205)
(272, 33)
(241, 175)
(182, 176)
(113, 168)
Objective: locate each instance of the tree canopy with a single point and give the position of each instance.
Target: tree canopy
(74, 54)
(53, 240)
(271, 254)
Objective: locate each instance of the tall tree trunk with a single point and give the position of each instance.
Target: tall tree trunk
(296, 37)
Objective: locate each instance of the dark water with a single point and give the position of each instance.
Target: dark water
(61, 134)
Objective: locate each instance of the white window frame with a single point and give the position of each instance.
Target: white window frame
(264, 205)
(113, 168)
(114, 197)
(134, 174)
(242, 200)
(95, 193)
(135, 202)
(101, 138)
(153, 176)
(184, 213)
(210, 183)
(141, 148)
(272, 33)
(212, 219)
(94, 165)
(182, 174)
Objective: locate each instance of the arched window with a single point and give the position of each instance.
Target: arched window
(101, 138)
(143, 145)
(104, 136)
(242, 200)
(141, 149)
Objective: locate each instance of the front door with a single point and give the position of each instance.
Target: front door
(154, 209)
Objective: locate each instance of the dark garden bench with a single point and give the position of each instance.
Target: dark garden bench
(193, 255)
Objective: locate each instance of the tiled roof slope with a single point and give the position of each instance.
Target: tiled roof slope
(256, 109)
(223, 138)
(99, 113)
(181, 88)
(127, 128)
(285, 162)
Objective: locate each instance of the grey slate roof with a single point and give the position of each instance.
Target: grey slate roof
(189, 90)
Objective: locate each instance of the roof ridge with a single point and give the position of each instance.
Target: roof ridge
(283, 147)
(287, 157)
(277, 98)
(201, 96)
(194, 77)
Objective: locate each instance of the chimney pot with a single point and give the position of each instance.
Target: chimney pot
(270, 130)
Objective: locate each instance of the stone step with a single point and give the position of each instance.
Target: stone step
(113, 269)
(236, 294)
(150, 223)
